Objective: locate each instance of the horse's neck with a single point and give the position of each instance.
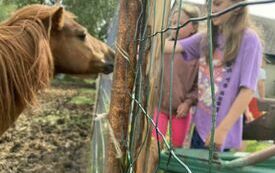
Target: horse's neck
(26, 67)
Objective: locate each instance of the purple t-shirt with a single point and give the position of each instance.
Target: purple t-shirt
(228, 81)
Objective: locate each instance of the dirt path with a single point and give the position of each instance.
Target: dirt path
(53, 138)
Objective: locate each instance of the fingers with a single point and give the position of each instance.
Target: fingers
(217, 147)
(181, 112)
(207, 141)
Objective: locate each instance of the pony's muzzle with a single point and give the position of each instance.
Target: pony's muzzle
(109, 65)
(108, 68)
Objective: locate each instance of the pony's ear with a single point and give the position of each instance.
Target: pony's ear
(57, 18)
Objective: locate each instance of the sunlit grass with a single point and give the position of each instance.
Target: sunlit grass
(253, 146)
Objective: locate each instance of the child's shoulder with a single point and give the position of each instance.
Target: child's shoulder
(251, 36)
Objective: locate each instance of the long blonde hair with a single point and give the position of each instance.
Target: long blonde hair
(232, 31)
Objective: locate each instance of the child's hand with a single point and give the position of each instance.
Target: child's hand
(219, 138)
(248, 116)
(183, 109)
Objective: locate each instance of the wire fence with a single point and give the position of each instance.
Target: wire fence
(141, 122)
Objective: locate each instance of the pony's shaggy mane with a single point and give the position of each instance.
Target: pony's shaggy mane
(26, 62)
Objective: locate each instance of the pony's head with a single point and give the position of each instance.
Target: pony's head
(33, 41)
(74, 50)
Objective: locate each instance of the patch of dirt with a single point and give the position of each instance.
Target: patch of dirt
(53, 137)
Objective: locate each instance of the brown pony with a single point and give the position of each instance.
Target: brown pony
(34, 41)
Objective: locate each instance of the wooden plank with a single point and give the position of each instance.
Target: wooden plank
(158, 19)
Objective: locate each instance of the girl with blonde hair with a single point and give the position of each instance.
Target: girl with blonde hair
(237, 54)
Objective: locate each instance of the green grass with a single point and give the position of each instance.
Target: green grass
(74, 80)
(87, 91)
(82, 100)
(253, 146)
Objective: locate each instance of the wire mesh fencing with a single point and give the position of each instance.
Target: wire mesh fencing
(145, 153)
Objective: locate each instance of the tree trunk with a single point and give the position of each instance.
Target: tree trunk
(122, 83)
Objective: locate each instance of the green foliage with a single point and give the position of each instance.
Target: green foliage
(21, 3)
(95, 15)
(5, 10)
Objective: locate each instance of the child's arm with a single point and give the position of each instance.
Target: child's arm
(248, 115)
(169, 47)
(261, 89)
(191, 99)
(190, 46)
(238, 107)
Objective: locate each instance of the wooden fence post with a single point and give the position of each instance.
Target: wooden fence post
(123, 81)
(158, 18)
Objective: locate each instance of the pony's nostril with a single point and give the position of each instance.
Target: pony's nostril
(109, 68)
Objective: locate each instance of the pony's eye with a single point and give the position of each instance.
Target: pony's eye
(82, 36)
